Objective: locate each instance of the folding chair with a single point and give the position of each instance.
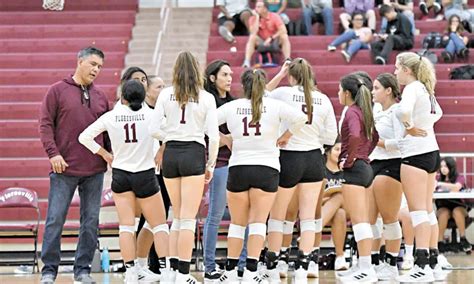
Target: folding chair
(21, 200)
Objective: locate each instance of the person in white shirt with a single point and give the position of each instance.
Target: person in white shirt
(184, 113)
(133, 171)
(419, 111)
(302, 165)
(385, 161)
(254, 124)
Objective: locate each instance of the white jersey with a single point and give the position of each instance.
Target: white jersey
(390, 130)
(132, 144)
(255, 144)
(321, 130)
(418, 108)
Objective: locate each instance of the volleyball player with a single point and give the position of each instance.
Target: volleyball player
(418, 112)
(385, 162)
(254, 124)
(189, 112)
(359, 138)
(133, 171)
(302, 165)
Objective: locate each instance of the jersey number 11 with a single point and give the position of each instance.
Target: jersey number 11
(127, 135)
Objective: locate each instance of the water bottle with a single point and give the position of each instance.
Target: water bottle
(96, 265)
(105, 260)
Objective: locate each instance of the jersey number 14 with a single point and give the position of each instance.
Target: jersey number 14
(248, 125)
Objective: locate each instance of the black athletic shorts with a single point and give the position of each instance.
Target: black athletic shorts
(182, 159)
(429, 162)
(242, 178)
(240, 28)
(360, 174)
(390, 167)
(144, 184)
(301, 167)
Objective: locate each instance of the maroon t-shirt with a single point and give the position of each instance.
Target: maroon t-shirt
(354, 143)
(64, 114)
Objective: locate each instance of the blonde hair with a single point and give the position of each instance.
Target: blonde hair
(422, 69)
(254, 82)
(302, 72)
(187, 78)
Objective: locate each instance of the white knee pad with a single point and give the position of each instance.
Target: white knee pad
(433, 219)
(275, 226)
(126, 229)
(175, 225)
(147, 227)
(307, 225)
(288, 227)
(258, 229)
(236, 231)
(418, 217)
(376, 231)
(362, 231)
(318, 225)
(161, 228)
(188, 224)
(137, 222)
(392, 231)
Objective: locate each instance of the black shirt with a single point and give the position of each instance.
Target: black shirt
(335, 180)
(401, 26)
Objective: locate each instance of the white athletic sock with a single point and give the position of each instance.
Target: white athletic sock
(409, 250)
(142, 261)
(365, 262)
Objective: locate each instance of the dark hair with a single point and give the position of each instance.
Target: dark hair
(302, 72)
(127, 75)
(187, 78)
(212, 69)
(254, 82)
(365, 78)
(328, 148)
(453, 172)
(385, 9)
(134, 93)
(90, 50)
(362, 97)
(388, 80)
(460, 28)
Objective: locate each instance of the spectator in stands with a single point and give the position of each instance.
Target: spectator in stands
(398, 36)
(457, 40)
(233, 18)
(279, 6)
(267, 31)
(68, 107)
(426, 6)
(318, 11)
(459, 7)
(365, 7)
(450, 180)
(358, 37)
(401, 6)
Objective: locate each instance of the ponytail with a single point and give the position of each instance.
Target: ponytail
(134, 93)
(363, 99)
(422, 69)
(253, 82)
(302, 72)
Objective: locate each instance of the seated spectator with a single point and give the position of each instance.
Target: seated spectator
(457, 40)
(332, 211)
(318, 11)
(426, 6)
(450, 180)
(365, 7)
(397, 37)
(267, 32)
(359, 37)
(401, 6)
(279, 6)
(233, 18)
(459, 7)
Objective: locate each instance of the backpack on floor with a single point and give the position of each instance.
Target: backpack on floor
(465, 72)
(432, 57)
(434, 40)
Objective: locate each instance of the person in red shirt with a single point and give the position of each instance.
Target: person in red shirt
(267, 31)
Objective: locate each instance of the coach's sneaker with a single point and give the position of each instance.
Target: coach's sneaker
(131, 275)
(282, 268)
(417, 275)
(340, 263)
(231, 277)
(387, 272)
(408, 262)
(361, 276)
(186, 278)
(84, 278)
(145, 275)
(301, 276)
(212, 277)
(47, 279)
(253, 277)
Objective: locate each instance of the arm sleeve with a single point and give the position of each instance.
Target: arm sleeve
(47, 123)
(87, 136)
(399, 131)
(407, 104)
(354, 128)
(295, 119)
(330, 125)
(155, 127)
(213, 134)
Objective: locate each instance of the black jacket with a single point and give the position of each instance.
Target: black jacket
(401, 26)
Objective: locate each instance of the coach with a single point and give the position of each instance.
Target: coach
(70, 105)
